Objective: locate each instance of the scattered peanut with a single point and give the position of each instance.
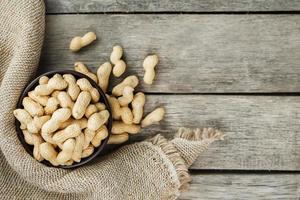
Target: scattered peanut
(119, 127)
(155, 116)
(126, 115)
(78, 122)
(115, 107)
(116, 54)
(80, 67)
(138, 107)
(127, 96)
(103, 74)
(149, 64)
(78, 42)
(131, 81)
(118, 139)
(119, 68)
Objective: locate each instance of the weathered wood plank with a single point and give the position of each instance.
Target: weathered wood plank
(198, 53)
(263, 131)
(253, 186)
(77, 6)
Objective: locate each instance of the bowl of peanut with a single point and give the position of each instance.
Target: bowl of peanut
(63, 119)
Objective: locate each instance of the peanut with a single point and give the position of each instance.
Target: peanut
(36, 124)
(54, 94)
(138, 107)
(39, 99)
(116, 54)
(126, 115)
(22, 116)
(88, 136)
(149, 64)
(48, 152)
(97, 120)
(76, 156)
(101, 134)
(127, 96)
(80, 67)
(115, 107)
(155, 116)
(103, 74)
(100, 106)
(73, 89)
(69, 162)
(65, 100)
(37, 141)
(91, 109)
(66, 152)
(58, 117)
(57, 83)
(43, 80)
(119, 68)
(81, 122)
(32, 107)
(71, 131)
(131, 81)
(54, 83)
(78, 42)
(88, 151)
(52, 105)
(119, 127)
(118, 139)
(81, 104)
(85, 85)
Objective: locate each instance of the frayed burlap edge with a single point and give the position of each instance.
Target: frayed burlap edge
(208, 134)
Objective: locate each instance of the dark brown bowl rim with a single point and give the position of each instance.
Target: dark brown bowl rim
(103, 99)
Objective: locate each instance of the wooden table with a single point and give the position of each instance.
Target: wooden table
(229, 64)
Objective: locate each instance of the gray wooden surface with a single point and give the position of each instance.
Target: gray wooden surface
(263, 131)
(198, 53)
(77, 6)
(238, 73)
(244, 187)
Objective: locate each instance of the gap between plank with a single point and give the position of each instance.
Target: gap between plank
(181, 12)
(248, 172)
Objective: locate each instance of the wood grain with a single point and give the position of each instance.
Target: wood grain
(262, 131)
(198, 53)
(78, 6)
(243, 187)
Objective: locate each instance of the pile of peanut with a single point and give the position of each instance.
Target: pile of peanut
(64, 120)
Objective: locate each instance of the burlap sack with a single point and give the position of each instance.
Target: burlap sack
(153, 169)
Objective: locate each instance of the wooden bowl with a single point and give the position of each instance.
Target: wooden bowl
(103, 99)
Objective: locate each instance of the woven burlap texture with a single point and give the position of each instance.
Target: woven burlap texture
(153, 169)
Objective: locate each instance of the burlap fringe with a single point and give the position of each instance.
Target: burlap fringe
(172, 153)
(199, 134)
(170, 150)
